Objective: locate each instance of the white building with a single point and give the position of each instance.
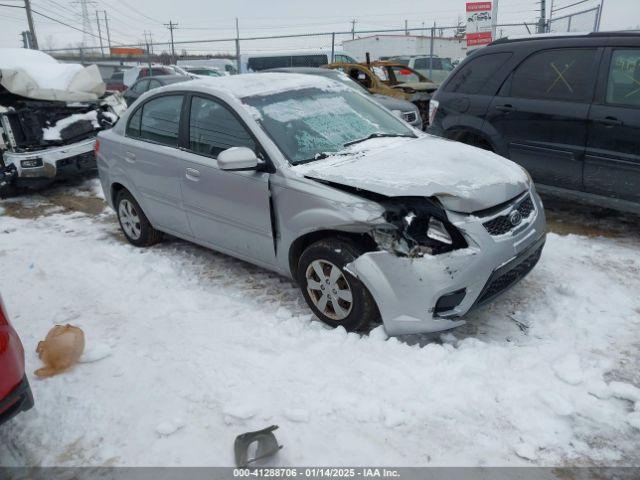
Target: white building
(393, 45)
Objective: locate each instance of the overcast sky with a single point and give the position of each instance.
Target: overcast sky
(207, 19)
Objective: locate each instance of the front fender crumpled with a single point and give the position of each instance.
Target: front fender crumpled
(406, 289)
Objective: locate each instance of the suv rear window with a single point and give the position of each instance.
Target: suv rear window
(623, 85)
(563, 74)
(473, 76)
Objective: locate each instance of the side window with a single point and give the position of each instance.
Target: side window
(563, 74)
(421, 64)
(213, 128)
(160, 120)
(474, 75)
(140, 87)
(154, 84)
(623, 84)
(133, 127)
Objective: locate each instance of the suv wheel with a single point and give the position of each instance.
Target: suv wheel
(134, 223)
(333, 294)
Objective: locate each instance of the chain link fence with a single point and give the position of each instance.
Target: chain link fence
(431, 50)
(583, 21)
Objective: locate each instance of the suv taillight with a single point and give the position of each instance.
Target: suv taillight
(433, 109)
(96, 147)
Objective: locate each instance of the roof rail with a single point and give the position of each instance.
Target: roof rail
(555, 36)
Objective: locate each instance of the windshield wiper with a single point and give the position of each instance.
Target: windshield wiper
(379, 135)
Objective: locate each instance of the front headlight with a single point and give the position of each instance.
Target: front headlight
(416, 228)
(526, 172)
(438, 232)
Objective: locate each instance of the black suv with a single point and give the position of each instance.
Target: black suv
(565, 108)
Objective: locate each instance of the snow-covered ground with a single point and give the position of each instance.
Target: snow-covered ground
(187, 348)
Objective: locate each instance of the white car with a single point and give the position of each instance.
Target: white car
(50, 114)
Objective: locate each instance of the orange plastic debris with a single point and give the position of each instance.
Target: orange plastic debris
(60, 350)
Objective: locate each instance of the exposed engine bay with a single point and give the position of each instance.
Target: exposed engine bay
(41, 140)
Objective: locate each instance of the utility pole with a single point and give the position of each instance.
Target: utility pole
(433, 34)
(542, 24)
(238, 60)
(106, 24)
(99, 33)
(406, 28)
(32, 28)
(172, 26)
(146, 41)
(599, 15)
(353, 29)
(494, 20)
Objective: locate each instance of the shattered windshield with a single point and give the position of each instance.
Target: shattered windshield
(311, 123)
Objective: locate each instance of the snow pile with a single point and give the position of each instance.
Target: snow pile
(203, 347)
(53, 133)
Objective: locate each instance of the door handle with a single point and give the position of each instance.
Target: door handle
(130, 157)
(192, 174)
(506, 108)
(610, 121)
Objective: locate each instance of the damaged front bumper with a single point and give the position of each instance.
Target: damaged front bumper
(427, 294)
(38, 167)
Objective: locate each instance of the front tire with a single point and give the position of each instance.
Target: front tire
(134, 223)
(333, 294)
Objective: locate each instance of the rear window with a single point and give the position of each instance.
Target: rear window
(563, 74)
(157, 120)
(264, 63)
(623, 85)
(474, 75)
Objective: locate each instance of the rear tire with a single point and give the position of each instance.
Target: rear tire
(334, 295)
(134, 223)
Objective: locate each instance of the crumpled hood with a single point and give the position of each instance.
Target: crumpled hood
(463, 178)
(34, 74)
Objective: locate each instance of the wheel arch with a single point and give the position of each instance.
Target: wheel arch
(468, 134)
(363, 240)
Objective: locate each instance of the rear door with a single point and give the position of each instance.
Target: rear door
(541, 112)
(229, 211)
(612, 163)
(150, 157)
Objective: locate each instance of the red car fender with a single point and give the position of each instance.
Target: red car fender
(11, 356)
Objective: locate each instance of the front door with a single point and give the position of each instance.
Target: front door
(612, 164)
(541, 114)
(229, 211)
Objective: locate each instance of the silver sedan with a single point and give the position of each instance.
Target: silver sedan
(305, 176)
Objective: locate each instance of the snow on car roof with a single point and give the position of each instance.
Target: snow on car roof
(267, 83)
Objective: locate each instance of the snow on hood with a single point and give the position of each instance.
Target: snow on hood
(463, 178)
(34, 74)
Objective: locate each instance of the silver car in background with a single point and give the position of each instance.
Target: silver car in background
(305, 176)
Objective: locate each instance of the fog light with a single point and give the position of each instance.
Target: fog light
(438, 232)
(31, 163)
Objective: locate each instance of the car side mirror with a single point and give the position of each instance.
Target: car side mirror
(237, 158)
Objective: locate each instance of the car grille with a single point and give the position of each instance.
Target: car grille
(500, 282)
(409, 117)
(502, 224)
